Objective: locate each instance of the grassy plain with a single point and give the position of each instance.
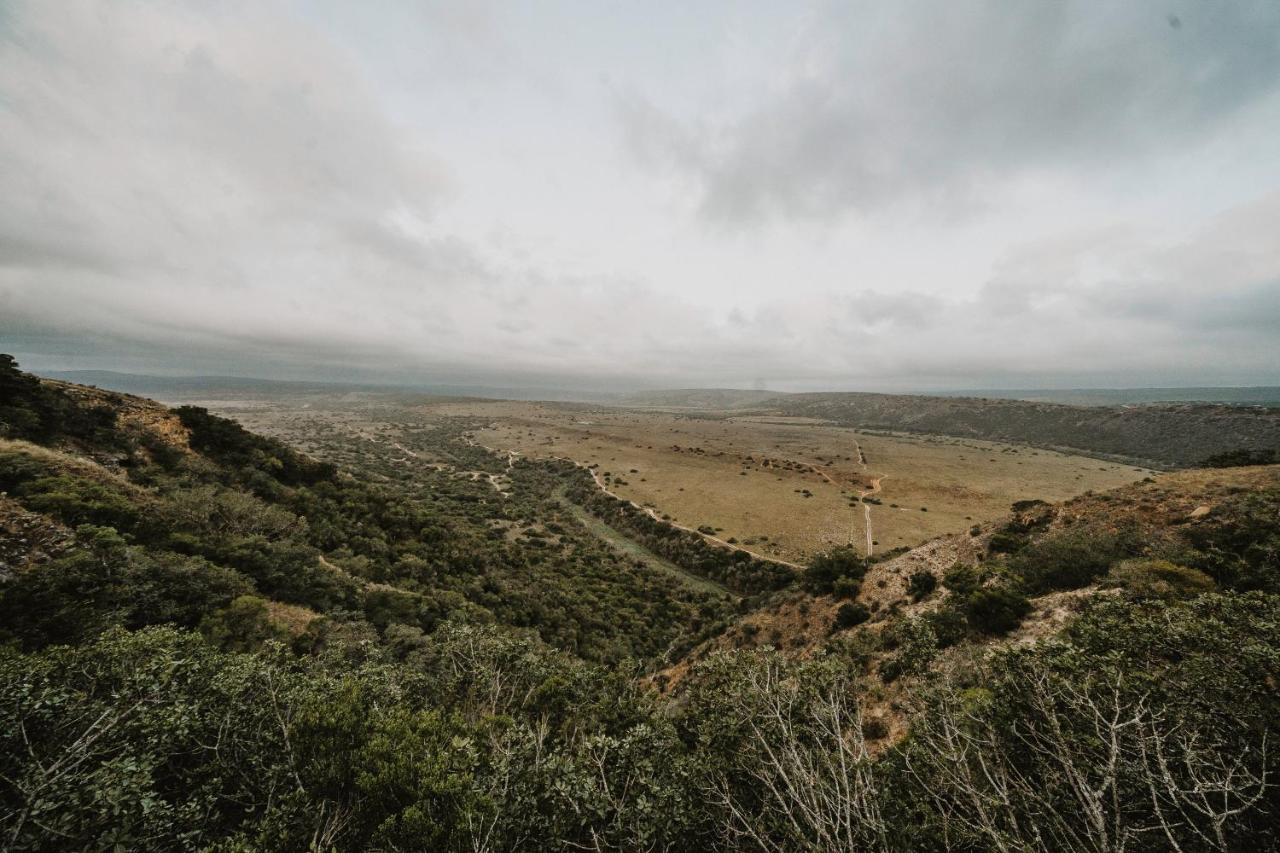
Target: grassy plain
(790, 487)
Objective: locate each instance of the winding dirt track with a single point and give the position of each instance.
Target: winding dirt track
(595, 478)
(513, 455)
(653, 513)
(875, 489)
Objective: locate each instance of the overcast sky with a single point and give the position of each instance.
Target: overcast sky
(890, 195)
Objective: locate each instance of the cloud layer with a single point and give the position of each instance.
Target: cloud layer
(881, 103)
(918, 195)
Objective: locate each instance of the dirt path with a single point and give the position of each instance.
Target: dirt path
(866, 493)
(866, 507)
(652, 513)
(631, 548)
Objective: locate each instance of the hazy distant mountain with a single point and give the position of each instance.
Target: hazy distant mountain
(1261, 395)
(698, 398)
(239, 387)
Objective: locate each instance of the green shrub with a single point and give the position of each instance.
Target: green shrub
(1159, 579)
(1002, 542)
(831, 566)
(996, 610)
(1239, 543)
(846, 587)
(1069, 559)
(849, 615)
(949, 625)
(1240, 458)
(104, 583)
(243, 625)
(921, 584)
(916, 646)
(961, 580)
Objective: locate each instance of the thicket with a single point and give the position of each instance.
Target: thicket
(33, 411)
(149, 702)
(1148, 726)
(372, 552)
(737, 570)
(836, 572)
(1241, 458)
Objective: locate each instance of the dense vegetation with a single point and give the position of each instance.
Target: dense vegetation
(472, 679)
(267, 520)
(1146, 726)
(1238, 458)
(736, 569)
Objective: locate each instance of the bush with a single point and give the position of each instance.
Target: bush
(961, 580)
(949, 625)
(831, 566)
(1240, 458)
(1068, 559)
(916, 647)
(1240, 542)
(102, 583)
(849, 615)
(921, 584)
(996, 610)
(874, 728)
(846, 587)
(1002, 542)
(243, 625)
(1159, 579)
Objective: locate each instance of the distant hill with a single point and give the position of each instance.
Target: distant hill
(1161, 434)
(1258, 395)
(242, 387)
(699, 398)
(1175, 435)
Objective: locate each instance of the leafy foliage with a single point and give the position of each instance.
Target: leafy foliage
(465, 686)
(736, 569)
(830, 568)
(996, 610)
(1070, 558)
(1240, 458)
(1159, 579)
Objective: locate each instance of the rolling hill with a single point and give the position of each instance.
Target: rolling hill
(1171, 435)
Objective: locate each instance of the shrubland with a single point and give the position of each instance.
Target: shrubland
(234, 646)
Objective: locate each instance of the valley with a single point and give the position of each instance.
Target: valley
(632, 597)
(791, 487)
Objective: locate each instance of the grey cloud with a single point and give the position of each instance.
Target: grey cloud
(883, 103)
(222, 185)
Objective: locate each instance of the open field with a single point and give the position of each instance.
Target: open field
(790, 487)
(782, 487)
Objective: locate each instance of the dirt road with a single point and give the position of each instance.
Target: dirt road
(875, 489)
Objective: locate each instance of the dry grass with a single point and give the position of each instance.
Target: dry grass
(788, 487)
(290, 617)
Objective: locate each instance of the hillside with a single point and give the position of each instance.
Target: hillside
(297, 531)
(1172, 435)
(699, 398)
(398, 640)
(1062, 554)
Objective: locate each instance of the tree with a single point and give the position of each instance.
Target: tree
(831, 566)
(850, 614)
(921, 584)
(243, 625)
(996, 610)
